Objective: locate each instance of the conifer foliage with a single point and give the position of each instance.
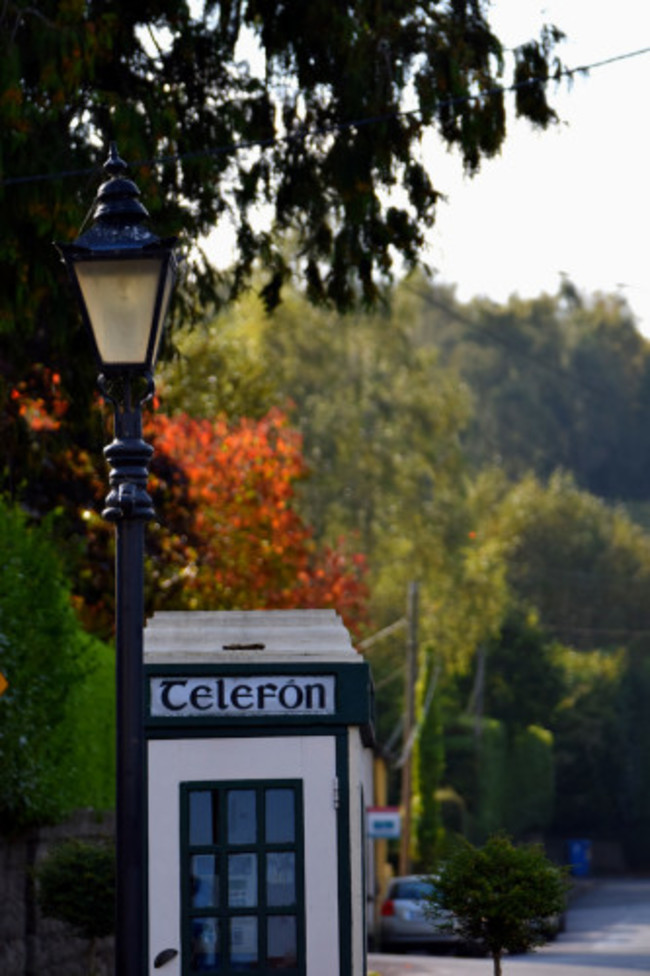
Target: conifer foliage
(307, 118)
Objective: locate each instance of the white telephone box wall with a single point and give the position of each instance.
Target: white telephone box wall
(309, 758)
(362, 852)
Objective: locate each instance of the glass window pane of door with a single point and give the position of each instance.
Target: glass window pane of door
(280, 817)
(205, 953)
(280, 878)
(244, 954)
(242, 880)
(242, 817)
(282, 942)
(203, 817)
(204, 881)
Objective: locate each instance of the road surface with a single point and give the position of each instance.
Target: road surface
(607, 934)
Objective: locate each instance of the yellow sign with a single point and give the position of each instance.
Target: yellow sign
(4, 684)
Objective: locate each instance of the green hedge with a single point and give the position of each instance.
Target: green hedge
(506, 783)
(530, 793)
(88, 730)
(56, 716)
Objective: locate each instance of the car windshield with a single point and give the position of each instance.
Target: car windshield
(411, 890)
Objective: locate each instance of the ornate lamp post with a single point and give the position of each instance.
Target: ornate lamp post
(123, 276)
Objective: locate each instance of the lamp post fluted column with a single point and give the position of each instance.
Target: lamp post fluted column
(129, 506)
(123, 277)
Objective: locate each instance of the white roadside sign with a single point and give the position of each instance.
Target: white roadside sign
(384, 823)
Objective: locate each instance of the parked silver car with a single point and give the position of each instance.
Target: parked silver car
(403, 922)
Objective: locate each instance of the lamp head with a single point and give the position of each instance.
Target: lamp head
(123, 276)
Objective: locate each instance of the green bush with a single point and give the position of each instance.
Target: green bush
(530, 798)
(57, 715)
(88, 730)
(476, 756)
(492, 756)
(41, 658)
(76, 885)
(506, 782)
(500, 896)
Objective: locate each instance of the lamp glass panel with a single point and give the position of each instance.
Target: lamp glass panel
(120, 298)
(170, 276)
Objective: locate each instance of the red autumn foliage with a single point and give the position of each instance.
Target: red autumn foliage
(39, 400)
(227, 534)
(230, 536)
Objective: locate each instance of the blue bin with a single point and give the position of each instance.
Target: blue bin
(580, 858)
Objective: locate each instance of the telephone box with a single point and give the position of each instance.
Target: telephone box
(259, 755)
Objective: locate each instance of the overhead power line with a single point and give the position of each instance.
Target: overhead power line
(303, 134)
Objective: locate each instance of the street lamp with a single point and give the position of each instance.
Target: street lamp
(123, 276)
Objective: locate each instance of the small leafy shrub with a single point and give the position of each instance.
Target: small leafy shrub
(501, 896)
(76, 885)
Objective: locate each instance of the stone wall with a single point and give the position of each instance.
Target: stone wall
(31, 945)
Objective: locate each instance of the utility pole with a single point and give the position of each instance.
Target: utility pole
(409, 726)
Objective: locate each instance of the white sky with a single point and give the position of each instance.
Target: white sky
(573, 199)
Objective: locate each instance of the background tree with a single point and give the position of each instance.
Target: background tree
(230, 535)
(591, 739)
(582, 564)
(381, 424)
(524, 681)
(501, 896)
(558, 382)
(429, 765)
(525, 568)
(379, 418)
(171, 80)
(227, 110)
(220, 367)
(633, 785)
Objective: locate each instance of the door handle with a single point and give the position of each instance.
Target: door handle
(163, 957)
